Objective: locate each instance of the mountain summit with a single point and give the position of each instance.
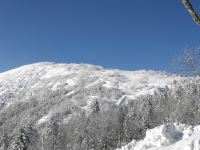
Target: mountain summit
(21, 83)
(50, 106)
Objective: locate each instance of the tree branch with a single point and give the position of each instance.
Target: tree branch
(192, 11)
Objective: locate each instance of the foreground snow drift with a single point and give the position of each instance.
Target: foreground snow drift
(168, 137)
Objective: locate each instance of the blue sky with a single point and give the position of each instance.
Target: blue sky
(126, 34)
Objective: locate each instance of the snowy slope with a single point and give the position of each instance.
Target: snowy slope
(27, 79)
(42, 91)
(168, 137)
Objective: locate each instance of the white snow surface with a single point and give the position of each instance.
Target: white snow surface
(54, 76)
(24, 82)
(168, 137)
(44, 119)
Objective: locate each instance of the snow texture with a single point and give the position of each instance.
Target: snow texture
(53, 76)
(168, 137)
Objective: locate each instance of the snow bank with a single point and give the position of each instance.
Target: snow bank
(168, 137)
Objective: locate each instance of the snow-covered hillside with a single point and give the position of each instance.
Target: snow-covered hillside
(102, 108)
(28, 79)
(168, 137)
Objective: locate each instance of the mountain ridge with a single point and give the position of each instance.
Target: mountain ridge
(133, 83)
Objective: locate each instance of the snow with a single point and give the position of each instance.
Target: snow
(44, 119)
(93, 96)
(52, 72)
(67, 119)
(170, 136)
(122, 101)
(71, 82)
(55, 86)
(108, 84)
(192, 143)
(146, 82)
(70, 93)
(37, 85)
(53, 76)
(75, 77)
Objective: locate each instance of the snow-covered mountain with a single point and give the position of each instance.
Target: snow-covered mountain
(66, 94)
(26, 80)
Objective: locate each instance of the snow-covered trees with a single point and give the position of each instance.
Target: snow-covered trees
(189, 62)
(88, 117)
(110, 127)
(4, 141)
(26, 138)
(99, 130)
(20, 141)
(49, 136)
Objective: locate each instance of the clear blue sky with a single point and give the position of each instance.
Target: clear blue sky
(126, 34)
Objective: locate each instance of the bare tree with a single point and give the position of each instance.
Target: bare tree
(192, 11)
(189, 62)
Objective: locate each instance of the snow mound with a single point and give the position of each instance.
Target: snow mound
(168, 137)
